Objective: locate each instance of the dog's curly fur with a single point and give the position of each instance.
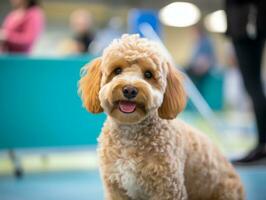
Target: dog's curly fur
(147, 154)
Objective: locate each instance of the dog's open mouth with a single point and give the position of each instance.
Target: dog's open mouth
(127, 106)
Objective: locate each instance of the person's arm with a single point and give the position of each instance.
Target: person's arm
(2, 35)
(32, 29)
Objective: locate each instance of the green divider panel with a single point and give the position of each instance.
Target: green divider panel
(40, 106)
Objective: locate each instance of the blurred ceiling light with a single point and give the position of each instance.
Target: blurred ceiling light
(179, 14)
(216, 21)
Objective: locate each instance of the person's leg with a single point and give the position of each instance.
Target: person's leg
(249, 55)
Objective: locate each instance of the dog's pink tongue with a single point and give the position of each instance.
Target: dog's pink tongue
(127, 106)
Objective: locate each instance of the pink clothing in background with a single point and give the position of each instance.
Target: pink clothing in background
(22, 32)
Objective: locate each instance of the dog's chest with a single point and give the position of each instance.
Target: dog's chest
(127, 176)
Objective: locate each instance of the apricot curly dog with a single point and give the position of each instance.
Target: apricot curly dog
(144, 152)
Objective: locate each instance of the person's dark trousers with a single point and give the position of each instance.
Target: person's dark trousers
(249, 54)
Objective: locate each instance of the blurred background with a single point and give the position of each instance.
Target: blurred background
(48, 141)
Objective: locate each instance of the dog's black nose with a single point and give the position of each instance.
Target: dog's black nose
(130, 92)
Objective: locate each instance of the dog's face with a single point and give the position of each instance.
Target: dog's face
(132, 80)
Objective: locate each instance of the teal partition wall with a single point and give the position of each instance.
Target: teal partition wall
(40, 106)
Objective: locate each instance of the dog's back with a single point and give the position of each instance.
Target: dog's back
(207, 172)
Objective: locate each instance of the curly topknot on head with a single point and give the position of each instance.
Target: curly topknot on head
(132, 46)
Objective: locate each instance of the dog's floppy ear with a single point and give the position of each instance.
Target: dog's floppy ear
(174, 97)
(89, 86)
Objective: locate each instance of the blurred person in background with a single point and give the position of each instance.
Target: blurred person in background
(105, 36)
(22, 27)
(80, 23)
(246, 20)
(203, 58)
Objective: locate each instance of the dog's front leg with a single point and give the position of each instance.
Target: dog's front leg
(165, 181)
(113, 192)
(170, 190)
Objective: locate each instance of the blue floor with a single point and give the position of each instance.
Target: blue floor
(87, 185)
(53, 186)
(254, 179)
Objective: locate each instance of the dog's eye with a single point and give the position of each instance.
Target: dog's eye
(117, 71)
(148, 74)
